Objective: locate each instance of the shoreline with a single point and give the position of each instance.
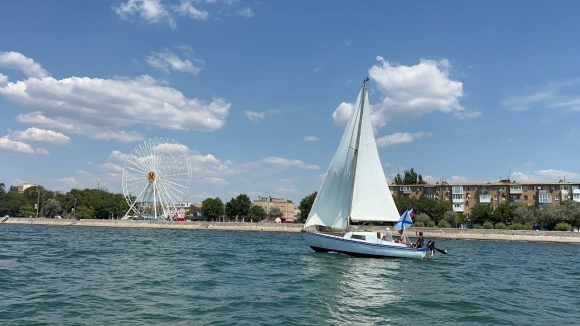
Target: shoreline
(436, 233)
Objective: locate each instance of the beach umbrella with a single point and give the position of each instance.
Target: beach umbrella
(405, 221)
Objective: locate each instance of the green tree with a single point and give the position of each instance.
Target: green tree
(441, 206)
(52, 207)
(524, 214)
(480, 213)
(27, 210)
(238, 207)
(503, 213)
(257, 213)
(411, 178)
(451, 218)
(275, 212)
(306, 205)
(212, 208)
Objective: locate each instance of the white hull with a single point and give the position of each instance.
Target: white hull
(373, 247)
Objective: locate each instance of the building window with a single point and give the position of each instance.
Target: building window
(466, 188)
(495, 188)
(404, 188)
(525, 197)
(545, 198)
(474, 197)
(565, 187)
(525, 188)
(474, 188)
(494, 197)
(457, 196)
(557, 197)
(557, 187)
(534, 197)
(516, 188)
(467, 205)
(484, 188)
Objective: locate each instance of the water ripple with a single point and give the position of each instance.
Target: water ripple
(95, 276)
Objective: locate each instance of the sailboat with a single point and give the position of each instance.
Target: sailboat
(355, 190)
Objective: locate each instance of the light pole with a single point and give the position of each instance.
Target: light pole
(37, 201)
(75, 209)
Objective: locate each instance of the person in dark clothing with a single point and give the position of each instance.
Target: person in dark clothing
(420, 241)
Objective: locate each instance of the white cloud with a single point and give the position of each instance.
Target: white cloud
(3, 80)
(411, 91)
(42, 151)
(41, 135)
(459, 179)
(255, 116)
(348, 42)
(15, 146)
(79, 128)
(549, 175)
(342, 113)
(401, 138)
(246, 13)
(550, 95)
(151, 11)
(17, 61)
(108, 105)
(311, 138)
(118, 157)
(317, 69)
(288, 163)
(286, 191)
(167, 60)
(197, 158)
(186, 8)
(216, 181)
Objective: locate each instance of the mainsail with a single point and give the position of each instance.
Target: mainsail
(355, 184)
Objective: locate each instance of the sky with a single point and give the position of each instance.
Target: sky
(259, 91)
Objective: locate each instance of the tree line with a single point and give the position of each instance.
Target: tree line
(237, 209)
(38, 201)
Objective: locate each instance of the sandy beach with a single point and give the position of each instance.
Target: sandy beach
(455, 234)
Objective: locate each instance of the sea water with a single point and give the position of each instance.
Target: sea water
(59, 275)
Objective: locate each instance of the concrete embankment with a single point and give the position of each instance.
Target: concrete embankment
(456, 234)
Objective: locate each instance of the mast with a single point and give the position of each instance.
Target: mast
(362, 103)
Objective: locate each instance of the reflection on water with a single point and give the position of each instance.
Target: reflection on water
(349, 286)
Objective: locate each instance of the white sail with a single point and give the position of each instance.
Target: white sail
(372, 199)
(362, 195)
(332, 204)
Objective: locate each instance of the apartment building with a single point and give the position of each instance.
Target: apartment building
(464, 196)
(285, 206)
(26, 186)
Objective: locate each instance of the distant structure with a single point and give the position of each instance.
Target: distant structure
(26, 186)
(463, 196)
(285, 206)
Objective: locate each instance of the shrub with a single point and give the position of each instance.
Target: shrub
(563, 227)
(431, 224)
(477, 226)
(500, 226)
(419, 224)
(423, 218)
(487, 225)
(517, 226)
(443, 224)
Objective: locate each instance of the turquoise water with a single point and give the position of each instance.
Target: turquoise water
(52, 275)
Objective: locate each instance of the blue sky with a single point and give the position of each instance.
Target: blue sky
(259, 90)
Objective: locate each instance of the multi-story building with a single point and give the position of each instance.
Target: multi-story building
(285, 206)
(25, 186)
(464, 196)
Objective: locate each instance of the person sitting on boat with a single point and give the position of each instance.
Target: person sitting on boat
(403, 238)
(388, 235)
(420, 241)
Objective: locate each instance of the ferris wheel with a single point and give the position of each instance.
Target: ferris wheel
(156, 178)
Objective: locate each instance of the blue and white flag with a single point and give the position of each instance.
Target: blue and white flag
(405, 221)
